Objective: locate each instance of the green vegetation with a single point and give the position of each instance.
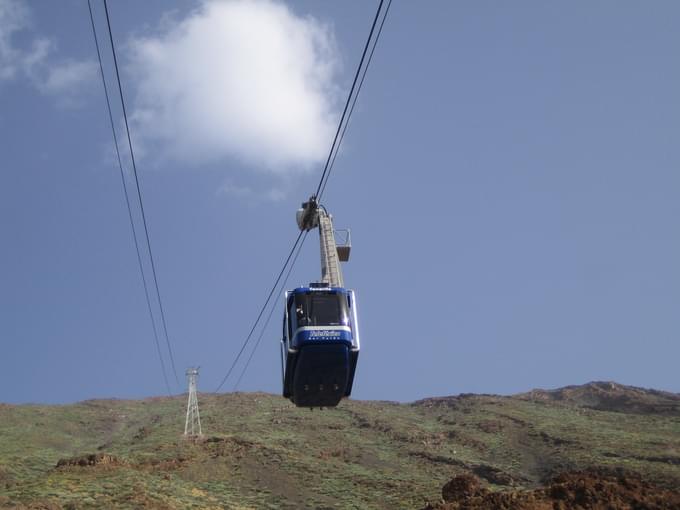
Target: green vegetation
(259, 451)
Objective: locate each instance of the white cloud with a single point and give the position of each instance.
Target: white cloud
(33, 61)
(245, 79)
(62, 78)
(13, 18)
(67, 76)
(249, 194)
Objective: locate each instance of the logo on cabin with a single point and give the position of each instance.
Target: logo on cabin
(325, 335)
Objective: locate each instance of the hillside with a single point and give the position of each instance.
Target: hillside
(261, 452)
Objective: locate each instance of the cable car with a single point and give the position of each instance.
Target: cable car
(320, 345)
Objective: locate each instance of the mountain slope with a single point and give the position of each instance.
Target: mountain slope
(261, 452)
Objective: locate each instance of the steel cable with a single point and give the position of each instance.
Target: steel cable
(139, 195)
(349, 98)
(127, 201)
(271, 312)
(354, 101)
(259, 316)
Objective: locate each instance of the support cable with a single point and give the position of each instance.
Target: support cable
(259, 316)
(139, 196)
(127, 202)
(349, 98)
(354, 101)
(271, 312)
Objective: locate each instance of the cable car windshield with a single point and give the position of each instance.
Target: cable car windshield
(321, 309)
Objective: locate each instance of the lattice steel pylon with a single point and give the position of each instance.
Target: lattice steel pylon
(192, 425)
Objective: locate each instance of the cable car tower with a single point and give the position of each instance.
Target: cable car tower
(192, 424)
(320, 341)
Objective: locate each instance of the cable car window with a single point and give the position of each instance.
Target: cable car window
(299, 311)
(292, 320)
(321, 309)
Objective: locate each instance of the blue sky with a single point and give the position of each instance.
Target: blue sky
(511, 178)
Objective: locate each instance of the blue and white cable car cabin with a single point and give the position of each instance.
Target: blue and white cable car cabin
(320, 343)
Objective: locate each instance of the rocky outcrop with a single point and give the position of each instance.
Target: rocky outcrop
(89, 460)
(574, 490)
